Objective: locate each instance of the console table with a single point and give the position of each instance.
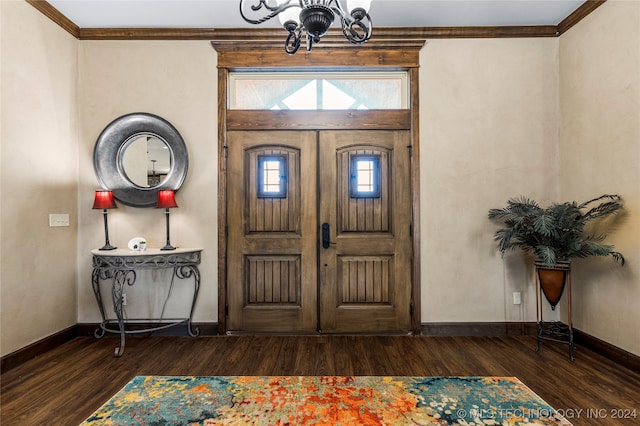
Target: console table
(120, 266)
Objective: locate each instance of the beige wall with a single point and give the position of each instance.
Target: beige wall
(488, 122)
(600, 154)
(177, 81)
(38, 175)
(491, 118)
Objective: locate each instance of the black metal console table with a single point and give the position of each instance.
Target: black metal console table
(120, 267)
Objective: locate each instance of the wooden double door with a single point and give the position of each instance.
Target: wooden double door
(319, 231)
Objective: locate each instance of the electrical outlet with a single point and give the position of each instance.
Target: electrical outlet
(517, 298)
(124, 299)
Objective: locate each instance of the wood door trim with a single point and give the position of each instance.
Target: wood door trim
(414, 96)
(256, 61)
(318, 120)
(223, 79)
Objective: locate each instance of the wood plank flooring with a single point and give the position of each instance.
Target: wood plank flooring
(65, 385)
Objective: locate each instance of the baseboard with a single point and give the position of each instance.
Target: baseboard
(19, 357)
(483, 329)
(31, 351)
(493, 329)
(486, 329)
(614, 353)
(180, 330)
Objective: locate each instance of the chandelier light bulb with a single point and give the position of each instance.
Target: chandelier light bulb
(358, 8)
(290, 17)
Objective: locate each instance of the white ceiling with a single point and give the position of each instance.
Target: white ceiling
(384, 13)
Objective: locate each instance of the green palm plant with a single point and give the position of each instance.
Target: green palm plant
(555, 233)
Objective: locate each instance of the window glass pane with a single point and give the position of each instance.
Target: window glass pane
(364, 171)
(272, 176)
(318, 91)
(335, 98)
(302, 98)
(365, 176)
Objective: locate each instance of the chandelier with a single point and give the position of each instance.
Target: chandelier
(311, 17)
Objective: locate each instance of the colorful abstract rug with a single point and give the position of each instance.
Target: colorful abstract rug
(287, 400)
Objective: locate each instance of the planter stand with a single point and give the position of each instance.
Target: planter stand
(554, 331)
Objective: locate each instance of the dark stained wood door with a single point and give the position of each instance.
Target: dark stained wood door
(365, 272)
(272, 241)
(319, 253)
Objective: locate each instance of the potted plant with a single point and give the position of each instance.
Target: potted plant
(555, 235)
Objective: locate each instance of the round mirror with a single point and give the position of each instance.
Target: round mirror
(146, 160)
(137, 155)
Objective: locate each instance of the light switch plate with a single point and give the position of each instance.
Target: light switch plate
(58, 219)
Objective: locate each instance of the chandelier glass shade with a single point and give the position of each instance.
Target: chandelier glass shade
(313, 18)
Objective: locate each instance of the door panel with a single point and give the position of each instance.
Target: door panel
(272, 250)
(365, 274)
(288, 273)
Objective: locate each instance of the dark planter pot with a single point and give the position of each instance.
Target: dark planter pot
(552, 280)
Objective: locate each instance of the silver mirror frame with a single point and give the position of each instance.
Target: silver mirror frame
(108, 151)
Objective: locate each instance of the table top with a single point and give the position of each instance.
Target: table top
(147, 252)
(125, 259)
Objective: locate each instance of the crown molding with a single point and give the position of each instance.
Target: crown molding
(274, 37)
(580, 13)
(54, 14)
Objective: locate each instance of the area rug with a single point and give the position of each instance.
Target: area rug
(325, 400)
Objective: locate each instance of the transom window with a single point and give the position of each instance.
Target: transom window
(365, 176)
(318, 90)
(272, 176)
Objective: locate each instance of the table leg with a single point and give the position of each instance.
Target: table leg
(95, 282)
(572, 346)
(539, 329)
(120, 278)
(188, 271)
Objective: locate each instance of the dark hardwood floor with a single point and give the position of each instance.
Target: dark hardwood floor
(65, 385)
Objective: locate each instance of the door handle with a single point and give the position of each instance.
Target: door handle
(326, 238)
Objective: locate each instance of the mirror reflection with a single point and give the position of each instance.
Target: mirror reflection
(146, 160)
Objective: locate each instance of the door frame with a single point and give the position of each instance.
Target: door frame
(251, 54)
